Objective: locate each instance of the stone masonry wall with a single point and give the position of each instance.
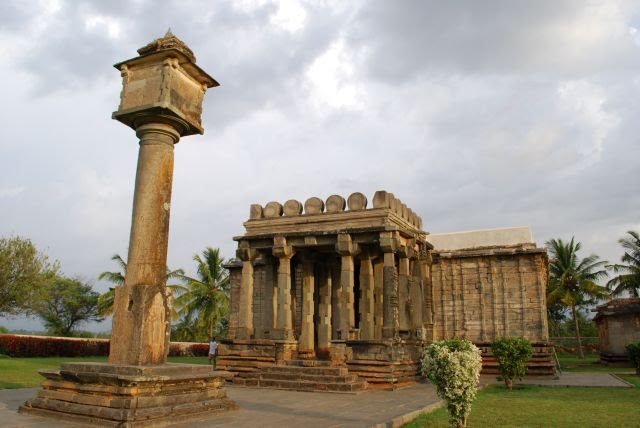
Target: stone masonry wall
(482, 297)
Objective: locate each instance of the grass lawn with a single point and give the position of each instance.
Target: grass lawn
(23, 372)
(571, 363)
(536, 406)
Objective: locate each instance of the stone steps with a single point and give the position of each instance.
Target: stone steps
(304, 375)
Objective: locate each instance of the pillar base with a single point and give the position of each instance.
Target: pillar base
(129, 396)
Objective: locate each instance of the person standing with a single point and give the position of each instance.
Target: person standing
(213, 351)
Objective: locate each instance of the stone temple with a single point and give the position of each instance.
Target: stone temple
(333, 293)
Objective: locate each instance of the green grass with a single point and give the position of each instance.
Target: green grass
(23, 372)
(633, 379)
(571, 363)
(536, 406)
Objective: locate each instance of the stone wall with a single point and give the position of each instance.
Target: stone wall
(482, 295)
(618, 325)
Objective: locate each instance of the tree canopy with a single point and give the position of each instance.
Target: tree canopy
(24, 273)
(572, 280)
(67, 304)
(628, 272)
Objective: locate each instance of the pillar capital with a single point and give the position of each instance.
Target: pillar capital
(389, 241)
(345, 245)
(245, 252)
(281, 249)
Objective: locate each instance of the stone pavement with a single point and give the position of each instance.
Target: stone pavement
(279, 408)
(275, 408)
(567, 379)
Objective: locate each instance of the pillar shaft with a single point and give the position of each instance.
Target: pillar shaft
(347, 312)
(390, 297)
(405, 303)
(324, 309)
(245, 308)
(417, 296)
(305, 343)
(284, 320)
(378, 297)
(367, 306)
(141, 310)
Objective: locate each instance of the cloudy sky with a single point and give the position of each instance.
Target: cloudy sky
(476, 114)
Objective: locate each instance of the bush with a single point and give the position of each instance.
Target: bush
(634, 355)
(454, 367)
(39, 346)
(186, 349)
(512, 353)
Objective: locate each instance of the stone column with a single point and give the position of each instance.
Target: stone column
(389, 244)
(378, 297)
(284, 323)
(324, 309)
(336, 295)
(306, 339)
(417, 296)
(347, 249)
(404, 297)
(142, 315)
(245, 308)
(367, 307)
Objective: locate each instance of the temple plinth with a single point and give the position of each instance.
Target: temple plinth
(161, 100)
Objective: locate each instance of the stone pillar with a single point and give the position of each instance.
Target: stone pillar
(306, 339)
(284, 252)
(404, 298)
(367, 306)
(389, 244)
(417, 296)
(347, 249)
(336, 295)
(378, 297)
(324, 309)
(142, 315)
(245, 309)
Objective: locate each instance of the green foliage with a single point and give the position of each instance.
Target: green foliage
(68, 303)
(512, 353)
(3, 329)
(572, 280)
(454, 365)
(628, 273)
(24, 272)
(204, 302)
(634, 354)
(107, 299)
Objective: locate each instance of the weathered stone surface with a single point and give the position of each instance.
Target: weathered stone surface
(255, 212)
(335, 204)
(382, 199)
(313, 205)
(357, 201)
(292, 208)
(272, 209)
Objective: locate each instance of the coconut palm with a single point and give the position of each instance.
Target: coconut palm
(573, 280)
(628, 278)
(206, 298)
(107, 299)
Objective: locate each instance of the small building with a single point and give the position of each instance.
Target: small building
(342, 285)
(618, 323)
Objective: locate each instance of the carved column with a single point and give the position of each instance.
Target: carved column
(389, 244)
(284, 252)
(324, 309)
(305, 341)
(347, 249)
(378, 298)
(245, 308)
(404, 298)
(367, 307)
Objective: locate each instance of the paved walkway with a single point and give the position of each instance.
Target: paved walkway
(275, 408)
(568, 379)
(278, 408)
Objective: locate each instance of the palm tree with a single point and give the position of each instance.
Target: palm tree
(628, 278)
(206, 298)
(107, 299)
(573, 280)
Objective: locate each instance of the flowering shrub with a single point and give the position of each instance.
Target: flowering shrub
(15, 345)
(454, 367)
(512, 353)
